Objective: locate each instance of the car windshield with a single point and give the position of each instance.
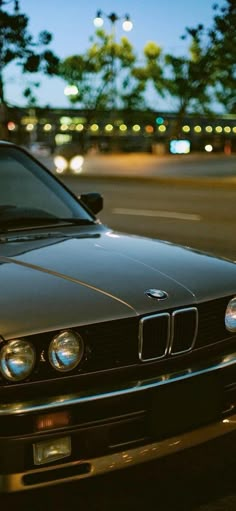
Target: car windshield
(31, 196)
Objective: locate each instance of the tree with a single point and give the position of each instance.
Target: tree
(103, 76)
(219, 42)
(189, 80)
(18, 45)
(152, 69)
(101, 79)
(223, 41)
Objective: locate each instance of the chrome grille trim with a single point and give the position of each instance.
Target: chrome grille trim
(170, 334)
(140, 343)
(174, 314)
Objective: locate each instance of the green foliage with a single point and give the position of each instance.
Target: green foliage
(152, 51)
(17, 44)
(218, 43)
(152, 69)
(205, 74)
(188, 79)
(103, 74)
(223, 41)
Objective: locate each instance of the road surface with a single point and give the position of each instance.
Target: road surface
(202, 217)
(141, 165)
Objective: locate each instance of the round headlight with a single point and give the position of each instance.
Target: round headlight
(60, 163)
(76, 164)
(17, 360)
(66, 351)
(230, 315)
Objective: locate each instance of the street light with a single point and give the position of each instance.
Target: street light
(98, 21)
(127, 26)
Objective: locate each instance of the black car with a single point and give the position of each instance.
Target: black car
(114, 349)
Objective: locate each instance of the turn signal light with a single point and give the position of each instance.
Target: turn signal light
(52, 421)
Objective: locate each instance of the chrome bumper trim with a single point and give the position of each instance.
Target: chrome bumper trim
(15, 482)
(45, 405)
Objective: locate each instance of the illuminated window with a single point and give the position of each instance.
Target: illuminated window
(29, 127)
(94, 127)
(65, 120)
(159, 120)
(180, 146)
(109, 127)
(79, 127)
(136, 127)
(149, 129)
(208, 148)
(62, 139)
(11, 126)
(186, 128)
(28, 120)
(47, 127)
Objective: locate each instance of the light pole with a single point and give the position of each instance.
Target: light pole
(98, 21)
(127, 26)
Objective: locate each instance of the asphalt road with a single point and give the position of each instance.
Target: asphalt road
(139, 165)
(142, 164)
(202, 216)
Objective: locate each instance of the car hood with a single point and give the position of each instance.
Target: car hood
(73, 281)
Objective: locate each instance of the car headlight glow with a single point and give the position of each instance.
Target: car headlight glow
(17, 360)
(76, 164)
(230, 316)
(60, 163)
(66, 351)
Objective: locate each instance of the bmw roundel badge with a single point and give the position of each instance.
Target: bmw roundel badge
(158, 294)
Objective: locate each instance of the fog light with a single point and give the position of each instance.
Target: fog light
(52, 450)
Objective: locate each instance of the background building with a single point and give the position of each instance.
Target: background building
(147, 131)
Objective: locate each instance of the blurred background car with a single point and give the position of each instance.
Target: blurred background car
(68, 158)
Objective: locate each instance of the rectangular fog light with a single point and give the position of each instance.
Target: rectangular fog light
(52, 450)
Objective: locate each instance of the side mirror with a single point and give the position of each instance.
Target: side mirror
(93, 201)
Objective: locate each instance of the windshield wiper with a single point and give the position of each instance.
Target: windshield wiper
(19, 238)
(76, 221)
(36, 222)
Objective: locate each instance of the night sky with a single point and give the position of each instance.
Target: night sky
(71, 23)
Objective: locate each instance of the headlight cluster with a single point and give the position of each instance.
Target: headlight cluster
(230, 316)
(74, 164)
(18, 357)
(66, 351)
(17, 360)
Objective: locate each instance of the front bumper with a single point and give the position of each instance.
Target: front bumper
(119, 427)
